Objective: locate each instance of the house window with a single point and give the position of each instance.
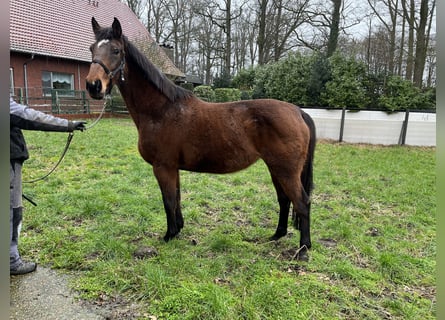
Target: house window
(64, 82)
(11, 81)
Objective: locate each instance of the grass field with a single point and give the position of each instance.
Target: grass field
(100, 215)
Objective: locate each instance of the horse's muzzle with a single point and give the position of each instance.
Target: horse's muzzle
(95, 89)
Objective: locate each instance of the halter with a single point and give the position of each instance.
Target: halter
(111, 74)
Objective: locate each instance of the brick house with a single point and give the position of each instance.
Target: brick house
(49, 49)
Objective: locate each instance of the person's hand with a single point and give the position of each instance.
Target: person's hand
(79, 125)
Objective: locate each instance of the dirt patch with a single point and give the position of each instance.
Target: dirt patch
(145, 252)
(299, 254)
(328, 243)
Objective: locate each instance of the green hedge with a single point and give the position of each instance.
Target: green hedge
(206, 93)
(227, 94)
(313, 80)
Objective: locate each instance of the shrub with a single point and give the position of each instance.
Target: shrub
(400, 94)
(338, 81)
(206, 93)
(346, 86)
(287, 79)
(188, 86)
(245, 79)
(246, 94)
(227, 94)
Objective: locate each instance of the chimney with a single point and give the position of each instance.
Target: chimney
(168, 49)
(94, 3)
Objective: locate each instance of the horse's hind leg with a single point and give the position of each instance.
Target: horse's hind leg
(301, 216)
(284, 203)
(168, 180)
(293, 189)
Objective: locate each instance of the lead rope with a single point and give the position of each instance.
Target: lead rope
(107, 98)
(67, 145)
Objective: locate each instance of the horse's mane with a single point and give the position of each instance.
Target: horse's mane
(150, 72)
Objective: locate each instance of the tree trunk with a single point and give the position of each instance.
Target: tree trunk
(409, 17)
(277, 31)
(262, 32)
(228, 31)
(401, 50)
(419, 62)
(334, 28)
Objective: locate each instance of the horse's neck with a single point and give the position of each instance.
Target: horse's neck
(141, 97)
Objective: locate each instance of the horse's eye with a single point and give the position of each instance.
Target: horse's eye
(116, 51)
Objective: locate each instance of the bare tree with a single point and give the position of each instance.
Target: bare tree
(223, 14)
(156, 19)
(431, 49)
(219, 37)
(401, 49)
(137, 6)
(209, 47)
(409, 17)
(378, 51)
(391, 8)
(334, 27)
(278, 22)
(290, 15)
(261, 40)
(327, 22)
(418, 36)
(421, 43)
(179, 15)
(420, 52)
(242, 42)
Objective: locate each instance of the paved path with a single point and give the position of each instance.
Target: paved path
(44, 294)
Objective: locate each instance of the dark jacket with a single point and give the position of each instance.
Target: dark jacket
(24, 117)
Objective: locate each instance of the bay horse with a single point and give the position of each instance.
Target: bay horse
(179, 131)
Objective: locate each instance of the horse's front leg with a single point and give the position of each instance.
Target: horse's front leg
(179, 218)
(168, 180)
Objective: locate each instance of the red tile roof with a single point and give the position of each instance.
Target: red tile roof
(62, 29)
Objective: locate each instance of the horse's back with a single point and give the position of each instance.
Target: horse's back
(276, 123)
(263, 128)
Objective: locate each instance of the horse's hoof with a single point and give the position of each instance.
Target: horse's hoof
(168, 236)
(274, 238)
(302, 256)
(302, 253)
(277, 236)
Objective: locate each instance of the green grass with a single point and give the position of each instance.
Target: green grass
(373, 232)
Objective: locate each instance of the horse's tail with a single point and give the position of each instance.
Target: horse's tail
(307, 174)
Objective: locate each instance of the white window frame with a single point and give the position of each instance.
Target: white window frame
(11, 81)
(46, 91)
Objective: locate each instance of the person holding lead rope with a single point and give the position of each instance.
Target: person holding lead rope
(25, 118)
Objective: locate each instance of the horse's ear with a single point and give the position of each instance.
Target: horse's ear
(117, 29)
(96, 26)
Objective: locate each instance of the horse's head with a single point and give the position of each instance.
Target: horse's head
(108, 59)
